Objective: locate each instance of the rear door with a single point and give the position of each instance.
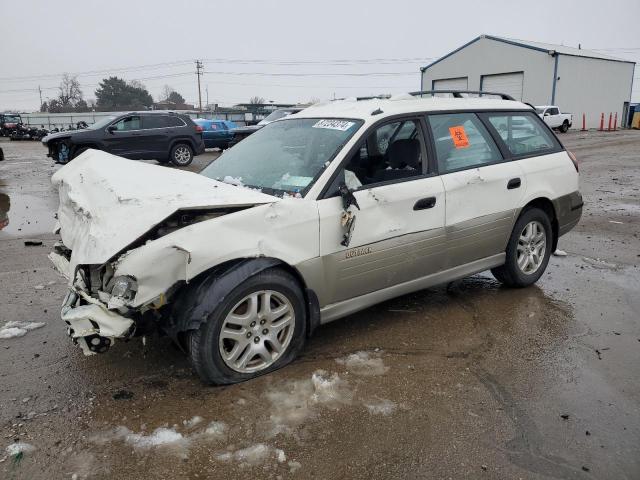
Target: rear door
(398, 231)
(155, 136)
(483, 191)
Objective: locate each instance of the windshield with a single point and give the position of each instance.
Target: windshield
(284, 156)
(540, 110)
(12, 118)
(102, 123)
(275, 115)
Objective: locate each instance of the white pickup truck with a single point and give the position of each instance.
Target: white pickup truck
(552, 117)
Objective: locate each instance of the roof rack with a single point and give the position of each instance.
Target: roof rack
(458, 93)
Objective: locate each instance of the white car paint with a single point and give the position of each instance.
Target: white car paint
(108, 203)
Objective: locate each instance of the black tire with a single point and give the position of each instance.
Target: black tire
(510, 274)
(181, 154)
(204, 342)
(564, 128)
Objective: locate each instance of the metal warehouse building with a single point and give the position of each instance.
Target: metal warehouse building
(578, 81)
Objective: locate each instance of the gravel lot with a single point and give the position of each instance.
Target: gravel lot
(469, 380)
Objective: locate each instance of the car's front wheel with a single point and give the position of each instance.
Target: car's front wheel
(528, 250)
(256, 329)
(181, 154)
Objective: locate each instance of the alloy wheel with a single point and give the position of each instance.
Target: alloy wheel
(257, 331)
(532, 245)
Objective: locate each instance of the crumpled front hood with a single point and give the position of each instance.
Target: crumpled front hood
(107, 202)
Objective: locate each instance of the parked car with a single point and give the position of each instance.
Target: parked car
(162, 136)
(308, 220)
(8, 123)
(552, 117)
(216, 133)
(241, 133)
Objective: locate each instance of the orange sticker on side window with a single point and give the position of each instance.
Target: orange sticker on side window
(459, 136)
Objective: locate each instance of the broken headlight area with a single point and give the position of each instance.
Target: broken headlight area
(124, 287)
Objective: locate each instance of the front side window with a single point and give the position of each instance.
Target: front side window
(462, 142)
(522, 133)
(128, 123)
(393, 151)
(285, 156)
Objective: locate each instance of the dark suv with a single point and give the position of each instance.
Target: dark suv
(162, 136)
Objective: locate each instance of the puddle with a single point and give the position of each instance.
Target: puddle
(25, 215)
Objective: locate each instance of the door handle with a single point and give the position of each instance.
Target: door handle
(514, 183)
(425, 203)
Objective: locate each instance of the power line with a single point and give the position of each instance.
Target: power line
(336, 62)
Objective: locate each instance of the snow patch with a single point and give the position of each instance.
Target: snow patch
(18, 329)
(383, 407)
(18, 448)
(254, 455)
(158, 438)
(216, 429)
(364, 363)
(193, 422)
(293, 403)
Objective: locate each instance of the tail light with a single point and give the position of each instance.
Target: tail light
(199, 129)
(573, 159)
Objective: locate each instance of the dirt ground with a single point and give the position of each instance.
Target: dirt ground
(468, 380)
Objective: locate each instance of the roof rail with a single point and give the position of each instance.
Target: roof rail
(458, 93)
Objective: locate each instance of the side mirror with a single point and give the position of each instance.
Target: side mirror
(547, 114)
(111, 128)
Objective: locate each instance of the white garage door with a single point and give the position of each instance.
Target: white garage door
(509, 83)
(460, 83)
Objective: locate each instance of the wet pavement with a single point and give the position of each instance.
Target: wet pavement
(469, 380)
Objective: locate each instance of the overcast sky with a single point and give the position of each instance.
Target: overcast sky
(247, 46)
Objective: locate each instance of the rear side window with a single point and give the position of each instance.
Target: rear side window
(462, 142)
(523, 133)
(174, 122)
(154, 121)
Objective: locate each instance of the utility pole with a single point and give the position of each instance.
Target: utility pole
(40, 91)
(199, 68)
(207, 90)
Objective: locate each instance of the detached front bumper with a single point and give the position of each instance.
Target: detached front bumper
(90, 323)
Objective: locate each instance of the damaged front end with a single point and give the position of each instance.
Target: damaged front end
(122, 238)
(95, 308)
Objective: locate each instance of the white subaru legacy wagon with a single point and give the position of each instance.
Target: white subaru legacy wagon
(313, 217)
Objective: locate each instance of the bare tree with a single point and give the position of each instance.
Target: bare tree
(70, 93)
(166, 93)
(256, 100)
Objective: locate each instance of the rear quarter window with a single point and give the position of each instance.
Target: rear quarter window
(523, 133)
(175, 122)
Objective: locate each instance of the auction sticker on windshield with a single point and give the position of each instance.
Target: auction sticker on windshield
(342, 125)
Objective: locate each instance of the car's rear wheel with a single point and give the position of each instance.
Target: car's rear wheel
(181, 154)
(528, 250)
(564, 128)
(256, 329)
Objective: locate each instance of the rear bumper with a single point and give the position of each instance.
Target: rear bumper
(199, 148)
(568, 211)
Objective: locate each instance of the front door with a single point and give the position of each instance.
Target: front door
(397, 234)
(125, 139)
(483, 191)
